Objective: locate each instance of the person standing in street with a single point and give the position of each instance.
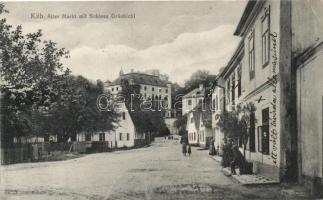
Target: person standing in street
(184, 142)
(189, 151)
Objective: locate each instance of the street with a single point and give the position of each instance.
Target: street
(156, 172)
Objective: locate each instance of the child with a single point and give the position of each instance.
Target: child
(189, 151)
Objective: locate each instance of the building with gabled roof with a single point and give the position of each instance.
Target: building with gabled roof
(193, 98)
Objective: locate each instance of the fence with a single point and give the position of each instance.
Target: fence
(22, 153)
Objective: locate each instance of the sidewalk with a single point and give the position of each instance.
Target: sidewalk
(245, 179)
(216, 158)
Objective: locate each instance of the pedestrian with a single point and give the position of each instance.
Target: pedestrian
(211, 148)
(227, 153)
(238, 160)
(184, 142)
(189, 151)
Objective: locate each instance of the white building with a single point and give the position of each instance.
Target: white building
(218, 101)
(192, 99)
(152, 86)
(124, 134)
(205, 129)
(199, 127)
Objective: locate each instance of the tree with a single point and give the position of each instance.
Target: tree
(144, 112)
(38, 94)
(236, 123)
(76, 110)
(180, 123)
(29, 69)
(245, 113)
(199, 77)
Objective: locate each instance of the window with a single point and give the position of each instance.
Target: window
(239, 80)
(152, 89)
(128, 137)
(166, 90)
(101, 137)
(263, 133)
(88, 137)
(228, 91)
(123, 115)
(251, 46)
(252, 147)
(265, 26)
(117, 88)
(189, 102)
(192, 119)
(233, 86)
(216, 102)
(120, 136)
(145, 88)
(112, 89)
(159, 90)
(213, 104)
(200, 101)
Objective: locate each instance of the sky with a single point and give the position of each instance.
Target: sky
(178, 38)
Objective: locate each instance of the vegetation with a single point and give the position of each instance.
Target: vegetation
(236, 123)
(144, 113)
(38, 94)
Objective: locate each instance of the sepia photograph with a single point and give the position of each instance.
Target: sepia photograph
(161, 100)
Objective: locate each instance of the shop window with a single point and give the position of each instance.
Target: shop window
(252, 128)
(263, 133)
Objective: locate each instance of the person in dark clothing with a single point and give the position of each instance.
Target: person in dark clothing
(227, 153)
(184, 142)
(238, 160)
(189, 151)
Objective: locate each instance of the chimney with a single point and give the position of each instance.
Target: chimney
(201, 86)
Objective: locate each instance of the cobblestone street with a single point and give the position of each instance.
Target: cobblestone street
(156, 172)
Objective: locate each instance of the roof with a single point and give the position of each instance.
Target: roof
(246, 17)
(140, 78)
(236, 57)
(195, 93)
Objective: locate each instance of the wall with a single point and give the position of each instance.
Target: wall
(266, 90)
(218, 134)
(310, 112)
(186, 108)
(307, 24)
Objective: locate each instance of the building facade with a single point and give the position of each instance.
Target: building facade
(259, 72)
(193, 99)
(154, 87)
(307, 45)
(218, 104)
(277, 67)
